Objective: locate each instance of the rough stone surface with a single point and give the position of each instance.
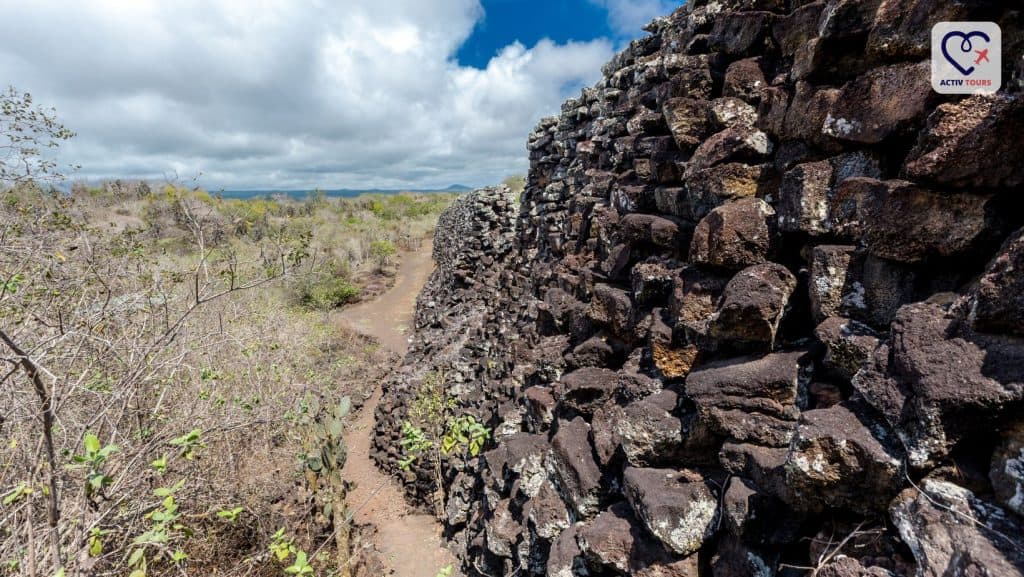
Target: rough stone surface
(748, 399)
(950, 531)
(841, 458)
(997, 303)
(759, 247)
(752, 306)
(1007, 470)
(676, 507)
(735, 235)
(971, 143)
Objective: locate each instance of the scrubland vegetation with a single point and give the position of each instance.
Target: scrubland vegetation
(175, 376)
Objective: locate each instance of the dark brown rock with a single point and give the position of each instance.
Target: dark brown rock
(519, 457)
(748, 400)
(675, 506)
(1007, 468)
(935, 382)
(848, 345)
(734, 236)
(731, 111)
(808, 190)
(565, 557)
(540, 404)
(709, 188)
(615, 540)
(806, 114)
(997, 303)
(546, 513)
(652, 283)
(503, 532)
(906, 223)
(841, 458)
(653, 230)
(843, 566)
(736, 558)
(902, 28)
(836, 282)
(645, 431)
(741, 32)
(689, 121)
(571, 461)
(744, 79)
(611, 307)
(586, 389)
(882, 102)
(695, 294)
(738, 143)
(950, 531)
(752, 307)
(971, 143)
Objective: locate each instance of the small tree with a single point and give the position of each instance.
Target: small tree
(382, 251)
(26, 131)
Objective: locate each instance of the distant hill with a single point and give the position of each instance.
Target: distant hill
(337, 192)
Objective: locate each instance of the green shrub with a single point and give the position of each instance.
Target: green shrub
(382, 251)
(327, 293)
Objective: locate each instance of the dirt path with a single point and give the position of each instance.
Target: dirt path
(411, 542)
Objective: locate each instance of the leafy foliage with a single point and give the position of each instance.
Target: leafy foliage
(27, 132)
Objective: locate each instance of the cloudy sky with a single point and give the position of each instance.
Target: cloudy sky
(282, 94)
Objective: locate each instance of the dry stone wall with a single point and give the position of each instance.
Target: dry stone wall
(759, 313)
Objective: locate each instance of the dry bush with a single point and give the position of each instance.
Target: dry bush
(134, 370)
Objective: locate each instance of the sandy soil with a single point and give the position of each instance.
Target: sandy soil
(410, 541)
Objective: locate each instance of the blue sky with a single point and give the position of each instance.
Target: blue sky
(247, 94)
(528, 22)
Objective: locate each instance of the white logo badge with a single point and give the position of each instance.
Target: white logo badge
(967, 57)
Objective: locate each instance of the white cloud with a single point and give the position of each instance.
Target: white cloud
(628, 17)
(286, 93)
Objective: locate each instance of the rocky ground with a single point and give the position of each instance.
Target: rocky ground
(760, 312)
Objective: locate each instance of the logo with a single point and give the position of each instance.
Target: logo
(967, 57)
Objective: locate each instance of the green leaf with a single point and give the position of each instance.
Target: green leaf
(135, 557)
(22, 490)
(343, 408)
(92, 443)
(109, 450)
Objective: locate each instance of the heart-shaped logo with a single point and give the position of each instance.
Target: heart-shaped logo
(966, 48)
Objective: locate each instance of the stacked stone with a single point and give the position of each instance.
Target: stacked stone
(457, 329)
(764, 309)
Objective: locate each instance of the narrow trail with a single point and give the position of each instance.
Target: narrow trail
(411, 541)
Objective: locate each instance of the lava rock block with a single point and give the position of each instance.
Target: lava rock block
(1007, 471)
(836, 284)
(848, 346)
(881, 103)
(688, 120)
(950, 531)
(615, 540)
(997, 303)
(735, 235)
(750, 399)
(738, 143)
(906, 223)
(676, 506)
(971, 144)
(571, 462)
(752, 307)
(935, 384)
(836, 460)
